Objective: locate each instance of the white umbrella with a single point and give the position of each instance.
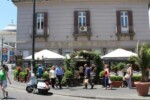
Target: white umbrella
(118, 54)
(45, 54)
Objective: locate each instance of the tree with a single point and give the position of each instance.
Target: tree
(142, 59)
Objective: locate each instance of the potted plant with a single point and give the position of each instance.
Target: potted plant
(117, 81)
(135, 78)
(143, 61)
(101, 76)
(69, 78)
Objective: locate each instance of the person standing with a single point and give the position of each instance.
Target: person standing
(129, 75)
(81, 71)
(106, 76)
(40, 71)
(3, 80)
(52, 75)
(59, 74)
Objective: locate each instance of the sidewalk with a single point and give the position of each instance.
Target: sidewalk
(96, 93)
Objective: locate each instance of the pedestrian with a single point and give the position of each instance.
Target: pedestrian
(52, 75)
(129, 75)
(92, 75)
(59, 74)
(87, 76)
(106, 76)
(18, 72)
(28, 75)
(40, 71)
(3, 80)
(81, 72)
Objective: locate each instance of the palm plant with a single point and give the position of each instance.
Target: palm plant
(142, 59)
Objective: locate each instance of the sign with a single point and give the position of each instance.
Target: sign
(5, 50)
(5, 58)
(11, 58)
(11, 53)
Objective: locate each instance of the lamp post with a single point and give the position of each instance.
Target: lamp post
(2, 51)
(33, 38)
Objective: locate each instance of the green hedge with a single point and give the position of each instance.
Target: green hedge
(101, 74)
(15, 73)
(136, 77)
(116, 78)
(68, 74)
(22, 74)
(45, 75)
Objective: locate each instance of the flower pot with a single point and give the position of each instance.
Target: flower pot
(70, 82)
(116, 84)
(142, 88)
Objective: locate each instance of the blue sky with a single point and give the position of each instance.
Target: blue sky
(8, 12)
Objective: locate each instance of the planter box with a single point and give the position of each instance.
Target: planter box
(117, 84)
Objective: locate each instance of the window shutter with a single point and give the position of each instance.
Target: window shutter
(88, 18)
(130, 18)
(75, 21)
(45, 22)
(75, 18)
(118, 21)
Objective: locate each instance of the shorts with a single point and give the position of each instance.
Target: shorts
(4, 84)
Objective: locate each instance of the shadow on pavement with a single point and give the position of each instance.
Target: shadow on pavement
(7, 98)
(48, 94)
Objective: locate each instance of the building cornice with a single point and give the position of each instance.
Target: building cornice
(16, 1)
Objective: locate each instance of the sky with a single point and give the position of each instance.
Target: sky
(8, 13)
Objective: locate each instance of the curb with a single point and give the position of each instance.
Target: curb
(100, 97)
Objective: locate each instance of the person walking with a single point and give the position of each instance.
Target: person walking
(92, 75)
(88, 76)
(129, 75)
(52, 75)
(59, 74)
(106, 76)
(3, 80)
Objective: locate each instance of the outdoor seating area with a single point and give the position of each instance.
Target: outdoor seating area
(72, 68)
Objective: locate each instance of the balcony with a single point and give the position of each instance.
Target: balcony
(82, 33)
(130, 33)
(44, 34)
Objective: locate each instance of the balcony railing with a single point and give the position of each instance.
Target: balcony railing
(45, 33)
(130, 32)
(78, 33)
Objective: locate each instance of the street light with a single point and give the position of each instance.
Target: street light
(33, 38)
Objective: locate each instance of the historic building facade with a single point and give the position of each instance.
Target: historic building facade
(8, 43)
(65, 26)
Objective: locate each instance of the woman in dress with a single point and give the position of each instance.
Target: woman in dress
(129, 75)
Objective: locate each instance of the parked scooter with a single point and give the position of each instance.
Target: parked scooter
(41, 85)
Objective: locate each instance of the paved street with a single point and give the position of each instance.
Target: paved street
(17, 90)
(18, 94)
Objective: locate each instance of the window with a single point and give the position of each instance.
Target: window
(124, 21)
(81, 19)
(41, 23)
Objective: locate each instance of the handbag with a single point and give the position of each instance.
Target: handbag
(109, 81)
(86, 81)
(126, 76)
